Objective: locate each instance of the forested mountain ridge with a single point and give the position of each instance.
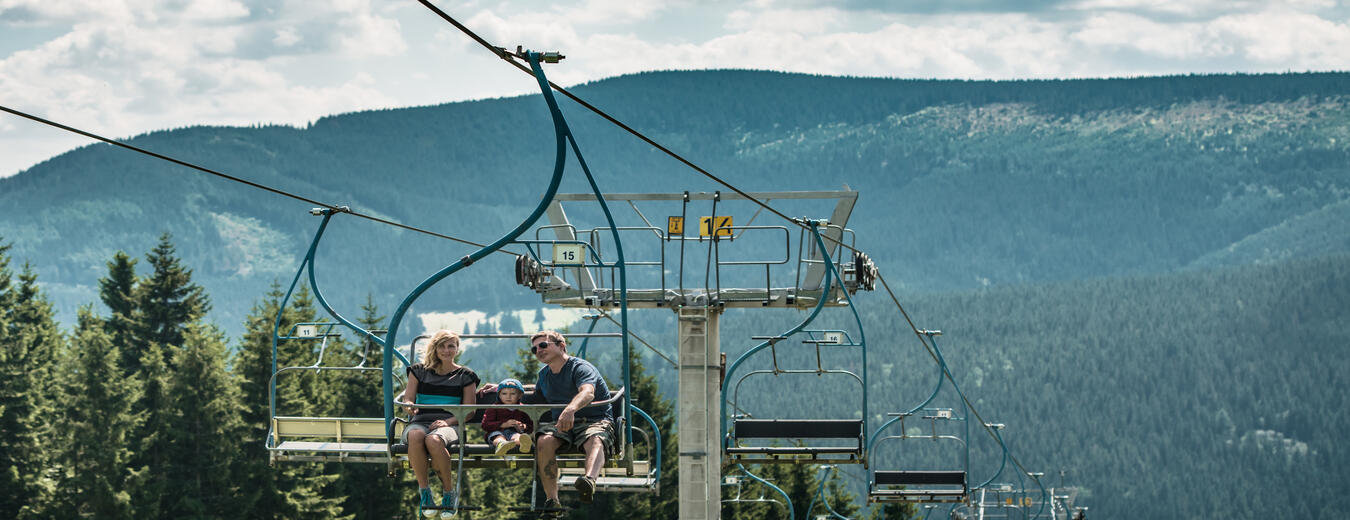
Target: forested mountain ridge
(1208, 394)
(1146, 279)
(964, 183)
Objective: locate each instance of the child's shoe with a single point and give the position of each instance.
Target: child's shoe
(505, 447)
(526, 442)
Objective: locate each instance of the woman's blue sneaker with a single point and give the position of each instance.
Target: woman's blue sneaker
(426, 502)
(449, 505)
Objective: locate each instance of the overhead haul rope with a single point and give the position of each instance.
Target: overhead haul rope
(328, 206)
(563, 137)
(820, 304)
(502, 53)
(937, 358)
(509, 58)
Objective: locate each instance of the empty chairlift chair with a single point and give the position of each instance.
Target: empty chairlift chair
(926, 485)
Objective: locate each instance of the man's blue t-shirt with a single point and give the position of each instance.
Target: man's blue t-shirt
(562, 387)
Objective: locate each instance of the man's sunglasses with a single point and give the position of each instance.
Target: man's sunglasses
(539, 346)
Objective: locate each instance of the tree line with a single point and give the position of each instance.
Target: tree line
(143, 410)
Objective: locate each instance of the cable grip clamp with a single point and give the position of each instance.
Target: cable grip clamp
(546, 57)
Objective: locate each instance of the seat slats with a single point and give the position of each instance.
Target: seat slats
(920, 486)
(905, 495)
(910, 478)
(640, 467)
(842, 429)
(798, 429)
(333, 447)
(792, 450)
(635, 484)
(331, 427)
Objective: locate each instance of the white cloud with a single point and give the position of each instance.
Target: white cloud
(1127, 31)
(1294, 40)
(363, 33)
(214, 10)
(797, 21)
(611, 11)
(286, 37)
(128, 66)
(1274, 40)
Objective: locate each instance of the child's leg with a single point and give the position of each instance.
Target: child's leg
(525, 441)
(506, 444)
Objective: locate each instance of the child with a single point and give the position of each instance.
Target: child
(508, 428)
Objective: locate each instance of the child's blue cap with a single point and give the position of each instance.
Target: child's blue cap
(510, 383)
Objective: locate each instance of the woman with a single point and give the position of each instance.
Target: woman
(436, 380)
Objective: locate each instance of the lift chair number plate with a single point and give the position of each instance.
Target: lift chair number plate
(569, 254)
(305, 331)
(834, 337)
(722, 225)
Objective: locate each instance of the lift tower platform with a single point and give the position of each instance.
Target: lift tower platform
(696, 254)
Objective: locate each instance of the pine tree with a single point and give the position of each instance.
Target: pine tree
(894, 511)
(29, 340)
(167, 303)
(168, 300)
(646, 395)
(797, 480)
(288, 490)
(97, 433)
(539, 318)
(365, 488)
(118, 292)
(837, 497)
(205, 476)
(152, 452)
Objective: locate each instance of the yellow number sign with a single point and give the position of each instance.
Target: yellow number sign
(723, 226)
(675, 225)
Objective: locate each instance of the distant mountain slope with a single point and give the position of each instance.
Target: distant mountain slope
(1321, 231)
(964, 183)
(1212, 394)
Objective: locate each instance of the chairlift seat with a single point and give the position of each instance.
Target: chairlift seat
(616, 479)
(344, 439)
(919, 486)
(843, 429)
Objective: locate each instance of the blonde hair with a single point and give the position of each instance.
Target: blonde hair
(429, 357)
(552, 335)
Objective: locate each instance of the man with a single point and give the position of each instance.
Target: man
(577, 383)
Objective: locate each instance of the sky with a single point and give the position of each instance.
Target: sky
(120, 68)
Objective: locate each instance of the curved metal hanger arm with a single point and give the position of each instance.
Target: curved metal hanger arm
(820, 304)
(561, 133)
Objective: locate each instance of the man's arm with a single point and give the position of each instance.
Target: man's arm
(585, 394)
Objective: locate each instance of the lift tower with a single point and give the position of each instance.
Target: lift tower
(696, 271)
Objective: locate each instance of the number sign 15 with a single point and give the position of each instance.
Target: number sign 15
(569, 254)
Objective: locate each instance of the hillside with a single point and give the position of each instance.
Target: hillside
(1146, 279)
(964, 183)
(1199, 395)
(1209, 394)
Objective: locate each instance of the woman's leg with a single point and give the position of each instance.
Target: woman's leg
(440, 458)
(417, 456)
